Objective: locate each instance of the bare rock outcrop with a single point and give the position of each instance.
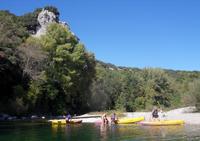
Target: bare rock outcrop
(45, 17)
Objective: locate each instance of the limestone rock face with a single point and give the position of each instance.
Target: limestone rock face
(45, 17)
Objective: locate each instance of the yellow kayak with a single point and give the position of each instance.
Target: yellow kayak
(163, 122)
(63, 121)
(129, 120)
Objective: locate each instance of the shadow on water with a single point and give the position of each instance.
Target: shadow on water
(92, 132)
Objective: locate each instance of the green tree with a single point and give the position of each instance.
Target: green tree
(12, 33)
(69, 72)
(157, 87)
(13, 85)
(194, 91)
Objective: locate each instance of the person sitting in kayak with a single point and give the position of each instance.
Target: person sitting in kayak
(113, 118)
(104, 119)
(155, 115)
(68, 117)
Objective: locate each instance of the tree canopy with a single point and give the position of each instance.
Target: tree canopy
(55, 74)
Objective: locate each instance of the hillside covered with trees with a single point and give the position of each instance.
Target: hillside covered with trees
(55, 74)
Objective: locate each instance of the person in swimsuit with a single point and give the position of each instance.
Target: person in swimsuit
(113, 118)
(104, 119)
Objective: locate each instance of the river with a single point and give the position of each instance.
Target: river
(35, 131)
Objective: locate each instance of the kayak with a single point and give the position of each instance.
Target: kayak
(129, 120)
(63, 121)
(162, 123)
(74, 121)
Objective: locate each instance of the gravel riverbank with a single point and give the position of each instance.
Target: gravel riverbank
(187, 114)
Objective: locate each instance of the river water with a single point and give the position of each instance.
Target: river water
(33, 131)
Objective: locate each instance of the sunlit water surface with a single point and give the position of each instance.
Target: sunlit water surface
(32, 131)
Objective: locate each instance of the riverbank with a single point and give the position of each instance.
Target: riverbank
(187, 114)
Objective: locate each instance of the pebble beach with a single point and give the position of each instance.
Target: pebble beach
(187, 114)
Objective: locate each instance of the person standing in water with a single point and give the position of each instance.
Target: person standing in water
(113, 118)
(104, 119)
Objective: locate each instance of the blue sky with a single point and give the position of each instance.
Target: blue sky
(133, 33)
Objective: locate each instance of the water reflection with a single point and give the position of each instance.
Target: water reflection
(104, 132)
(163, 132)
(137, 132)
(68, 128)
(92, 132)
(104, 129)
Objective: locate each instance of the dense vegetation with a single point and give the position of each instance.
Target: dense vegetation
(55, 74)
(133, 89)
(46, 75)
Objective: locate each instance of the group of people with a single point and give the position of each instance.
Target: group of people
(113, 118)
(104, 117)
(155, 116)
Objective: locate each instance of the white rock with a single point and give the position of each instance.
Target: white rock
(45, 18)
